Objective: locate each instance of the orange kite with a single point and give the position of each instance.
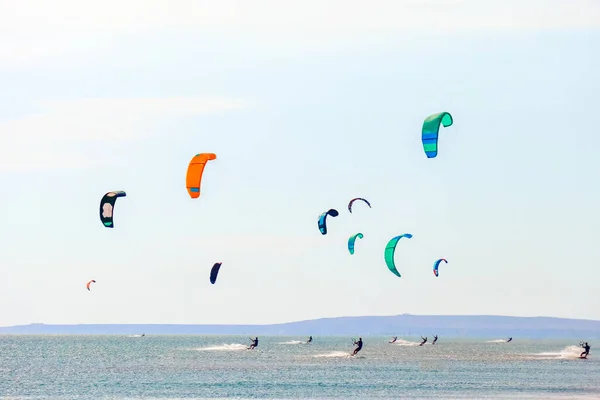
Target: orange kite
(194, 173)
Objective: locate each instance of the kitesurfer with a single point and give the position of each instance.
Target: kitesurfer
(586, 348)
(254, 343)
(309, 339)
(359, 345)
(424, 341)
(434, 339)
(509, 339)
(394, 339)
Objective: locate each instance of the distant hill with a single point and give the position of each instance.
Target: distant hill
(481, 326)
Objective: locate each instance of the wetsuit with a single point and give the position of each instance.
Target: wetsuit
(434, 340)
(509, 339)
(586, 347)
(424, 341)
(359, 345)
(394, 339)
(309, 339)
(254, 343)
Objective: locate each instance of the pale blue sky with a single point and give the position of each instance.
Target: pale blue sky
(306, 104)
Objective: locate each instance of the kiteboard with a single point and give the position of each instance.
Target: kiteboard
(583, 357)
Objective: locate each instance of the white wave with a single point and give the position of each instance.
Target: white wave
(568, 353)
(496, 341)
(292, 342)
(224, 347)
(401, 342)
(333, 354)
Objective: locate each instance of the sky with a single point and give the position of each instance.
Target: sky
(307, 104)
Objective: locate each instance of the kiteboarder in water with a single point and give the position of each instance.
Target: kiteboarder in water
(394, 339)
(509, 339)
(434, 339)
(424, 341)
(309, 339)
(359, 345)
(586, 348)
(254, 343)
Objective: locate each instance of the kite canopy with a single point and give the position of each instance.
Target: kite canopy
(437, 264)
(195, 170)
(214, 272)
(429, 134)
(107, 206)
(323, 219)
(87, 285)
(351, 241)
(357, 198)
(390, 249)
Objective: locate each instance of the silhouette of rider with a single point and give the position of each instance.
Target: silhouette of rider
(586, 351)
(359, 345)
(254, 343)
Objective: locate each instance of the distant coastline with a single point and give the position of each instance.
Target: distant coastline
(403, 325)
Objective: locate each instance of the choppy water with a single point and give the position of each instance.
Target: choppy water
(217, 367)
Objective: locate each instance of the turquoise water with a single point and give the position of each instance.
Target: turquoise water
(217, 367)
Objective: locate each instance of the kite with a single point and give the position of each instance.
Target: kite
(194, 173)
(351, 241)
(390, 249)
(357, 198)
(107, 206)
(437, 264)
(323, 217)
(89, 283)
(214, 272)
(429, 134)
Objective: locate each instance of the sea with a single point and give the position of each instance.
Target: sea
(70, 367)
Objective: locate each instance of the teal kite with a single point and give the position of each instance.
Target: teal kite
(429, 134)
(351, 241)
(390, 249)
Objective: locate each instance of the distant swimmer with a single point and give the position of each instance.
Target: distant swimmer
(254, 343)
(394, 339)
(509, 339)
(434, 339)
(309, 339)
(424, 341)
(359, 345)
(586, 351)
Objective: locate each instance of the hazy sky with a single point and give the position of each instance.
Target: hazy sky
(306, 104)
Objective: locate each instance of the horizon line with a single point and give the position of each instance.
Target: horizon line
(305, 320)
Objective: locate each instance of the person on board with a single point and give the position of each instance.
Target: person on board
(424, 341)
(254, 343)
(394, 339)
(434, 339)
(509, 339)
(586, 348)
(309, 339)
(359, 345)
